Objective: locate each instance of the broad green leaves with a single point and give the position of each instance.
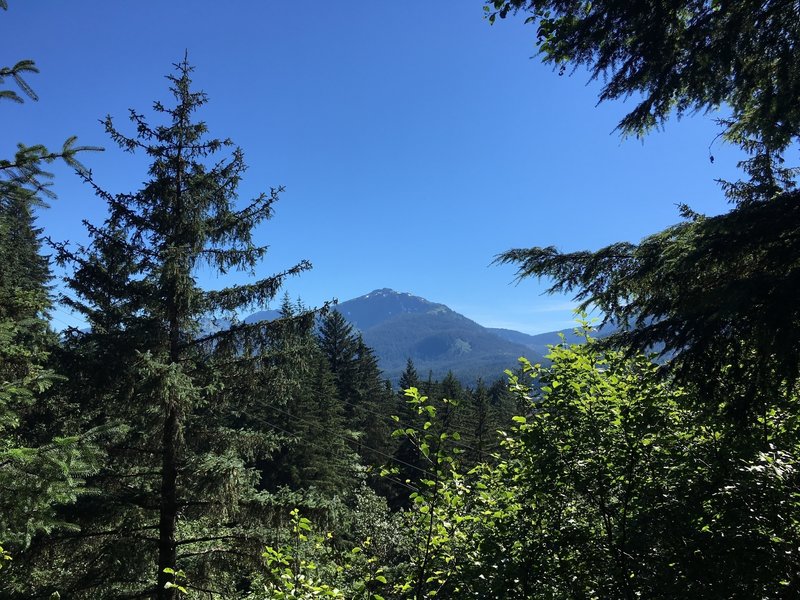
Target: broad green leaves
(610, 485)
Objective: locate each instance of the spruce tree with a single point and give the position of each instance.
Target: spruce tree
(504, 403)
(409, 377)
(363, 393)
(316, 464)
(370, 406)
(337, 340)
(450, 398)
(41, 467)
(180, 490)
(480, 424)
(715, 295)
(406, 456)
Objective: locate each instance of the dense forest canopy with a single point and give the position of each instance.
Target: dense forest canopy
(150, 455)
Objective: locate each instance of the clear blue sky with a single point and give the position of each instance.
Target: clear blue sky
(415, 140)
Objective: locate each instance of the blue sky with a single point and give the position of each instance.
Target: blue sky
(415, 141)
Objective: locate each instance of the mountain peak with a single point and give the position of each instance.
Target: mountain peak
(382, 304)
(399, 325)
(389, 292)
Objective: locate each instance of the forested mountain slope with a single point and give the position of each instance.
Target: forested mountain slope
(399, 326)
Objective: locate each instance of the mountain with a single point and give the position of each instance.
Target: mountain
(399, 326)
(382, 305)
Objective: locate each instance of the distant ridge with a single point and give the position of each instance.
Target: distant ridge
(384, 304)
(262, 315)
(399, 326)
(540, 342)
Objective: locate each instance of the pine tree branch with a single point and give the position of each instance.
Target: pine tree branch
(261, 292)
(259, 209)
(130, 247)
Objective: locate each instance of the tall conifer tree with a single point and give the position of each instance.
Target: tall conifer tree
(364, 395)
(480, 423)
(406, 455)
(179, 489)
(337, 340)
(316, 464)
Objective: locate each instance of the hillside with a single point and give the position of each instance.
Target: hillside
(399, 326)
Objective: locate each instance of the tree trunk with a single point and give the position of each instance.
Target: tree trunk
(168, 513)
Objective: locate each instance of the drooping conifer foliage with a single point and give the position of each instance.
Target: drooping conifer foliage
(180, 487)
(717, 294)
(25, 171)
(680, 55)
(713, 294)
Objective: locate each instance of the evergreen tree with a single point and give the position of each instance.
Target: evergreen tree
(450, 396)
(409, 377)
(337, 340)
(370, 406)
(406, 455)
(328, 462)
(41, 467)
(503, 402)
(442, 399)
(180, 490)
(365, 397)
(683, 56)
(714, 295)
(480, 424)
(316, 464)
